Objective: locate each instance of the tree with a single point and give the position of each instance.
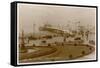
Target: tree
(81, 31)
(65, 35)
(43, 41)
(87, 34)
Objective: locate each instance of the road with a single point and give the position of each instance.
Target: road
(59, 52)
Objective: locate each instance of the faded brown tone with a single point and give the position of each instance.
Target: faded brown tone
(41, 14)
(55, 33)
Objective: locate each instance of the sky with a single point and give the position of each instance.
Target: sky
(68, 16)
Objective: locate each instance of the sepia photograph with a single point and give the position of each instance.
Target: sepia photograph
(48, 33)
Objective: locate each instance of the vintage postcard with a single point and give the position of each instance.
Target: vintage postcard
(48, 33)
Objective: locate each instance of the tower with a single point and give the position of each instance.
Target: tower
(22, 41)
